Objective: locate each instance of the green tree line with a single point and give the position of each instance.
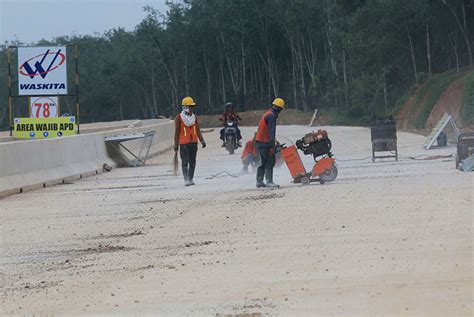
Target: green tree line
(356, 57)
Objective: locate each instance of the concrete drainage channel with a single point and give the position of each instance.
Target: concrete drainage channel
(33, 164)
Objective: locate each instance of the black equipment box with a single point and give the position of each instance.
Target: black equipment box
(465, 147)
(383, 134)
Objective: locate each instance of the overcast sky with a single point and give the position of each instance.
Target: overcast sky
(32, 20)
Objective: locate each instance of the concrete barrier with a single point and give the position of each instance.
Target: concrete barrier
(32, 164)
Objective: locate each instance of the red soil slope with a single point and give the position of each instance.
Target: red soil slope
(449, 101)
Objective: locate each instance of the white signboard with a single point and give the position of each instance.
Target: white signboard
(42, 71)
(44, 107)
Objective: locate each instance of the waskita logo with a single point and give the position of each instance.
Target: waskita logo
(42, 70)
(55, 60)
(43, 86)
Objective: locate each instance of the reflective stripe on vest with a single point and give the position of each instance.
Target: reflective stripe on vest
(262, 131)
(188, 135)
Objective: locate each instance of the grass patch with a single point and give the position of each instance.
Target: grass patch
(337, 118)
(467, 105)
(345, 119)
(402, 100)
(430, 93)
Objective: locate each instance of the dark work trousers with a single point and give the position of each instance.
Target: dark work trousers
(188, 153)
(267, 163)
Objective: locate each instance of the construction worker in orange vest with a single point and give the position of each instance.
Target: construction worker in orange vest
(266, 143)
(187, 133)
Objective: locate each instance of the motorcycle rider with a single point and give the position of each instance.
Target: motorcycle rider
(266, 143)
(230, 115)
(187, 133)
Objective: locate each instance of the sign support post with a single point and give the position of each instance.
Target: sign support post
(10, 92)
(78, 121)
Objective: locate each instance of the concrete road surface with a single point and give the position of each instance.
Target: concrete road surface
(386, 238)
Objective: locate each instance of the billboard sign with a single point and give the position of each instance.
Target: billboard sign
(44, 107)
(43, 128)
(42, 71)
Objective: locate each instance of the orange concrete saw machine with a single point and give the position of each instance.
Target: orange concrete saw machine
(316, 144)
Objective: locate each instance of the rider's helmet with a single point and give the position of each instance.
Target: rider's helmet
(229, 106)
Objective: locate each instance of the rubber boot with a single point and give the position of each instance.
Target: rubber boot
(191, 175)
(269, 179)
(260, 174)
(186, 176)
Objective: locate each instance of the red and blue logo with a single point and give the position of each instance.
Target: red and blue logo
(55, 60)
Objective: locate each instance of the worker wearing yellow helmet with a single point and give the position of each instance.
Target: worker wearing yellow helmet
(186, 136)
(265, 140)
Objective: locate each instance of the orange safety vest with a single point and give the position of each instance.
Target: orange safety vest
(187, 134)
(262, 131)
(249, 148)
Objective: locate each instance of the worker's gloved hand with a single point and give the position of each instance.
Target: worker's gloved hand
(271, 152)
(175, 148)
(203, 143)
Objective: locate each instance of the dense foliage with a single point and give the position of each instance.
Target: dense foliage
(356, 57)
(467, 107)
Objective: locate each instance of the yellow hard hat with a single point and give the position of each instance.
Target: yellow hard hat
(278, 102)
(188, 102)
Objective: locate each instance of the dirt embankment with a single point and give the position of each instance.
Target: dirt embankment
(251, 118)
(408, 112)
(449, 101)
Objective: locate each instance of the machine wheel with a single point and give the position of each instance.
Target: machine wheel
(329, 175)
(305, 181)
